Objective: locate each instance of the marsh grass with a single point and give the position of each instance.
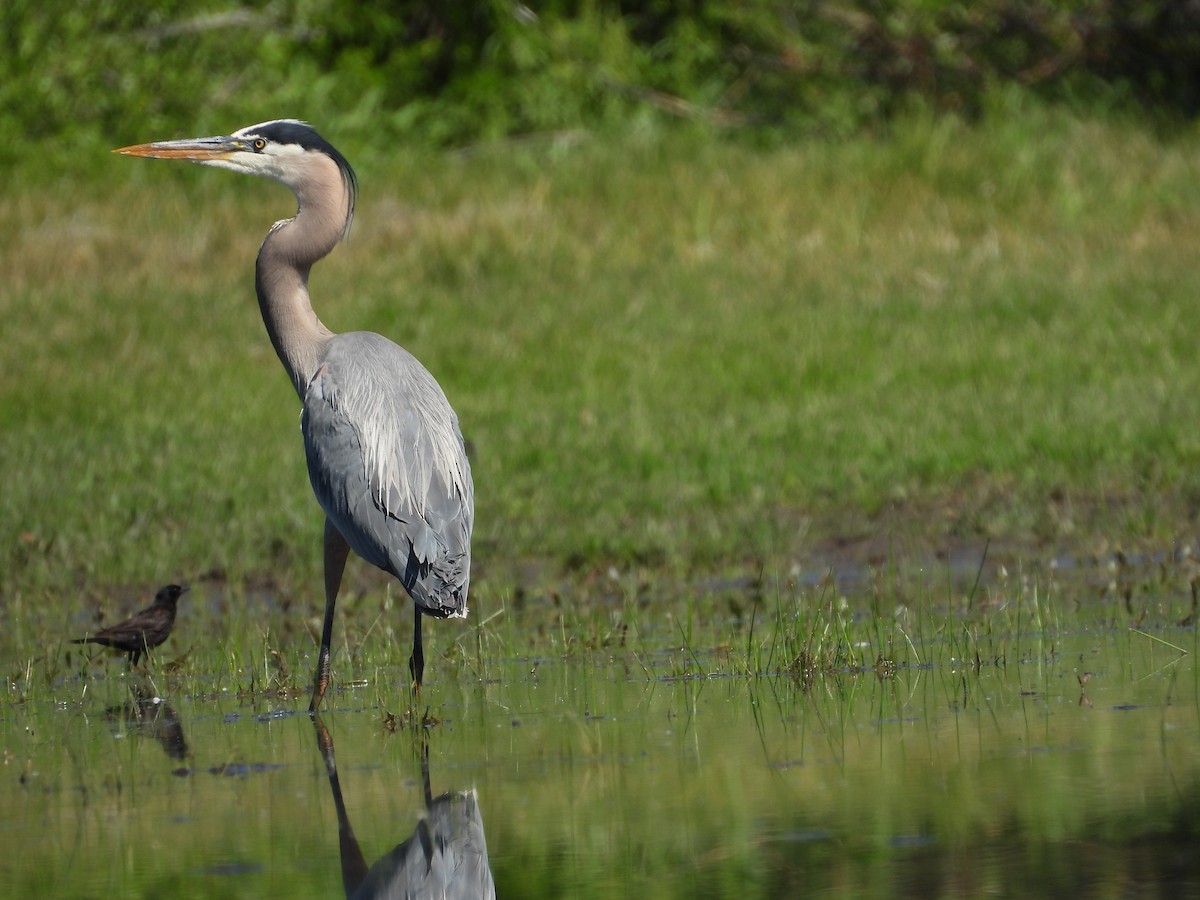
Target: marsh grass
(671, 354)
(256, 647)
(590, 721)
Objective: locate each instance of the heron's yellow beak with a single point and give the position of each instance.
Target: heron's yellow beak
(198, 149)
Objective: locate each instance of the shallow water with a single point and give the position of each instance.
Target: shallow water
(1065, 766)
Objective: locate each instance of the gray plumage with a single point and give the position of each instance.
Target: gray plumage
(446, 858)
(389, 468)
(384, 450)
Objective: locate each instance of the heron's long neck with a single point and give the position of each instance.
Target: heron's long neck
(281, 279)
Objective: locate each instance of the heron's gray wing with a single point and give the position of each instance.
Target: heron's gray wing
(386, 461)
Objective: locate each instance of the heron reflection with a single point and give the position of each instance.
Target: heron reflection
(150, 716)
(446, 858)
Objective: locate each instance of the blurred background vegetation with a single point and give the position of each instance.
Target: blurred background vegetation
(449, 74)
(942, 252)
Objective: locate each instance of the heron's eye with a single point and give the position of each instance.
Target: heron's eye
(259, 143)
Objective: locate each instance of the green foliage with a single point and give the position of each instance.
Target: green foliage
(440, 74)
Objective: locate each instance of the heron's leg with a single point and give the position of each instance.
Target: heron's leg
(354, 866)
(336, 551)
(416, 662)
(425, 768)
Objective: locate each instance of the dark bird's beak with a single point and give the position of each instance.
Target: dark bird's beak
(198, 149)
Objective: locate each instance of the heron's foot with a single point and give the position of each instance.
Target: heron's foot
(318, 695)
(320, 683)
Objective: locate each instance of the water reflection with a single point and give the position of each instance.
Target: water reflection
(446, 857)
(149, 715)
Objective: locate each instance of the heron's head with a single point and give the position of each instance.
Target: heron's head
(284, 149)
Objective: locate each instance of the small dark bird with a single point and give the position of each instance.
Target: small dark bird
(142, 631)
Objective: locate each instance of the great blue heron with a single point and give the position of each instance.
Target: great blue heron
(143, 631)
(385, 454)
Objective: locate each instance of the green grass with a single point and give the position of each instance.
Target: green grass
(672, 353)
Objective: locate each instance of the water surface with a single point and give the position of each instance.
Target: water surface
(1064, 765)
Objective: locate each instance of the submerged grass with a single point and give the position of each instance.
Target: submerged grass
(659, 766)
